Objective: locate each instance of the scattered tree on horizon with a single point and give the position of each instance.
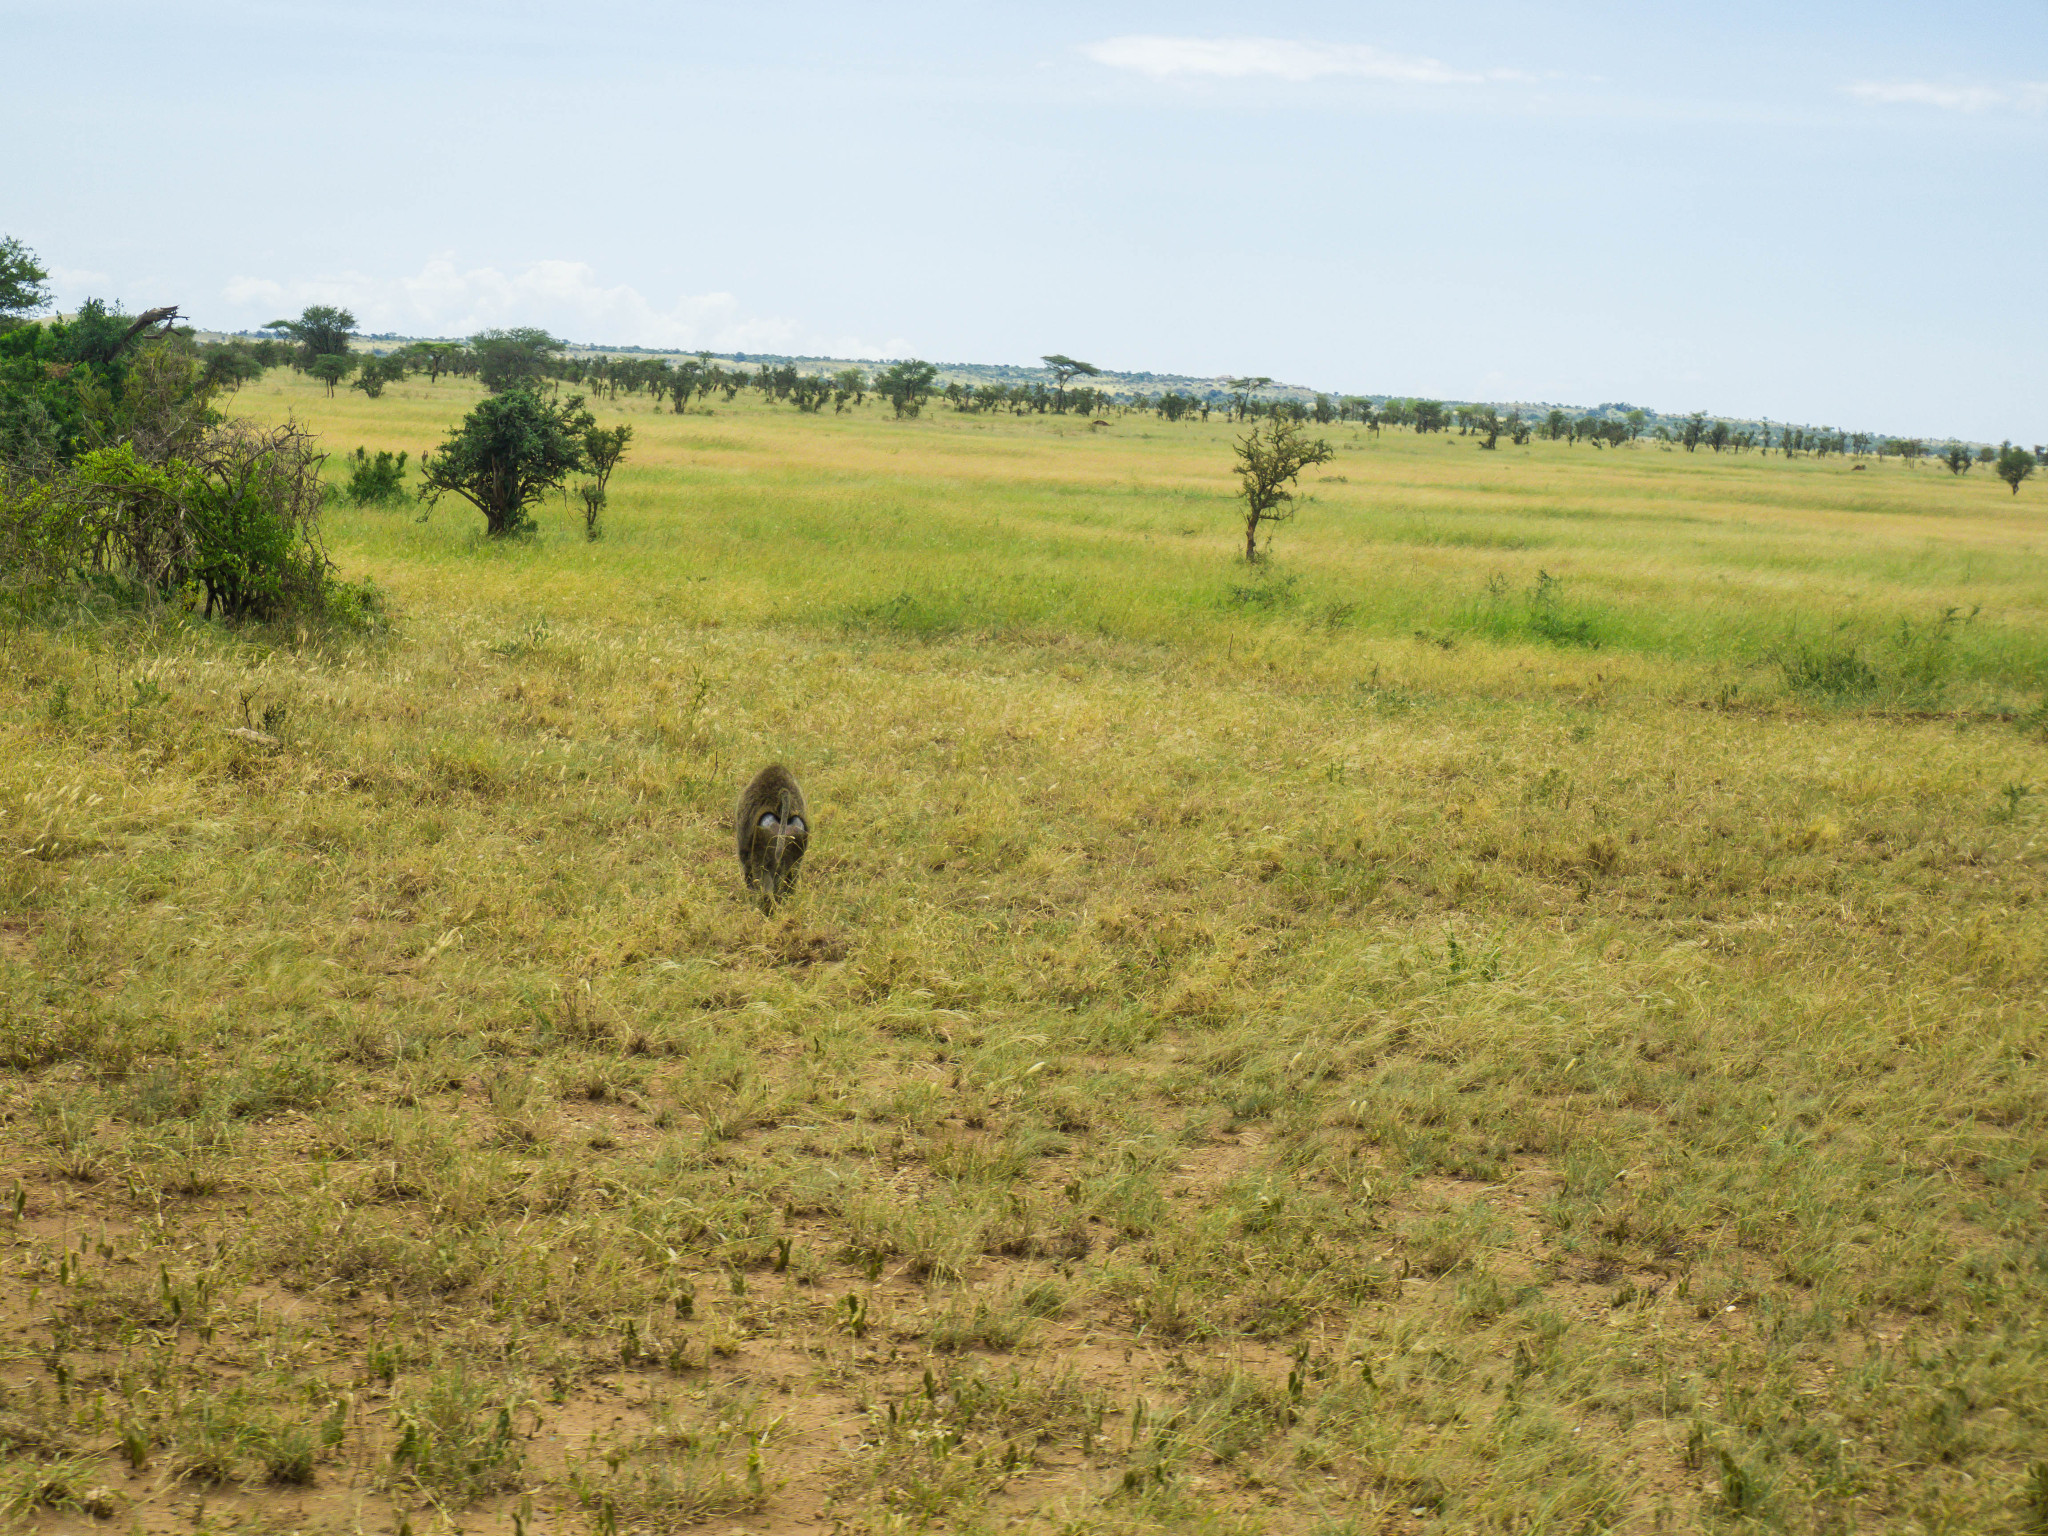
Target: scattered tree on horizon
(1064, 368)
(906, 385)
(1267, 465)
(322, 330)
(373, 373)
(2014, 464)
(520, 358)
(433, 358)
(330, 368)
(1958, 458)
(1243, 389)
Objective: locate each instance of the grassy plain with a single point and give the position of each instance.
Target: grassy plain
(1526, 1015)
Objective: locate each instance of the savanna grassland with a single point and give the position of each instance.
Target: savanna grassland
(1523, 1014)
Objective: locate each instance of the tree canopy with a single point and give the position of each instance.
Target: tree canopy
(906, 385)
(322, 330)
(2013, 465)
(96, 378)
(1064, 368)
(23, 283)
(516, 359)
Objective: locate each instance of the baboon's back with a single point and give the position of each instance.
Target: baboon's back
(772, 828)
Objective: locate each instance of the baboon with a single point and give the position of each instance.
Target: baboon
(773, 832)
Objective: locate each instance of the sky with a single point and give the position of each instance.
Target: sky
(1825, 213)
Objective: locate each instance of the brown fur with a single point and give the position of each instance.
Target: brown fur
(770, 854)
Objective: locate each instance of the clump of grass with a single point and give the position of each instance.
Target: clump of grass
(455, 1435)
(704, 1459)
(1916, 664)
(1539, 612)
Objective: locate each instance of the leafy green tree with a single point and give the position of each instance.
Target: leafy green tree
(322, 330)
(508, 453)
(2014, 464)
(688, 376)
(1267, 465)
(229, 364)
(1958, 458)
(433, 358)
(1430, 416)
(516, 359)
(23, 284)
(906, 385)
(811, 391)
(376, 372)
(330, 368)
(97, 378)
(603, 447)
(1064, 368)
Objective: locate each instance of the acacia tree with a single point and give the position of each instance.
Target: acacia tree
(516, 359)
(1957, 458)
(1242, 390)
(432, 358)
(322, 330)
(1064, 368)
(508, 453)
(1266, 466)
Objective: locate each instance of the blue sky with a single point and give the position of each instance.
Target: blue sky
(1826, 213)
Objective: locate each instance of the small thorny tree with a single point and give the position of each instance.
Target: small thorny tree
(1266, 466)
(509, 452)
(603, 447)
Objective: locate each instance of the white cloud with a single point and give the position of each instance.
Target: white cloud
(1239, 58)
(70, 280)
(565, 297)
(2031, 96)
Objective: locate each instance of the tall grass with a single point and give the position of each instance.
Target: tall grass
(958, 524)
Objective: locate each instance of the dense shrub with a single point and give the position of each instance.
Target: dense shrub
(376, 481)
(234, 522)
